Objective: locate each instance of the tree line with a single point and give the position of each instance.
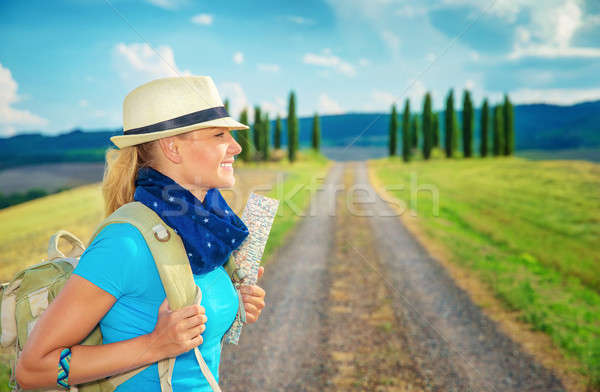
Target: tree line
(256, 144)
(424, 130)
(21, 197)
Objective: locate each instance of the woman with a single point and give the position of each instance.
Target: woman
(176, 151)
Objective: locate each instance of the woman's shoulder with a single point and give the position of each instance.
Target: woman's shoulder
(124, 236)
(116, 260)
(118, 242)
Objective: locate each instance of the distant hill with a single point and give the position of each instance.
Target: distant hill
(537, 127)
(74, 146)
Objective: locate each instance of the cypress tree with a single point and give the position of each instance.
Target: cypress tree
(393, 131)
(244, 138)
(316, 133)
(485, 115)
(450, 130)
(406, 143)
(292, 126)
(266, 130)
(414, 131)
(455, 135)
(257, 127)
(427, 126)
(436, 130)
(509, 126)
(498, 130)
(226, 105)
(467, 124)
(277, 140)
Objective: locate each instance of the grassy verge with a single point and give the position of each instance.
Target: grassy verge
(528, 229)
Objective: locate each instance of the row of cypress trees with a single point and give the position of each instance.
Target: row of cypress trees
(502, 140)
(257, 146)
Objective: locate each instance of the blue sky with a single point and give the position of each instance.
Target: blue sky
(70, 63)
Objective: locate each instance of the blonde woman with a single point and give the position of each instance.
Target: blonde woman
(176, 151)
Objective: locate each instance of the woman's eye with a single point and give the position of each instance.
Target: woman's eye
(220, 134)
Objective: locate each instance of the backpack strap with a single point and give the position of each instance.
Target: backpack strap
(175, 273)
(167, 250)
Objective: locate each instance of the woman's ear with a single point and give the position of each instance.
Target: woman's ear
(170, 149)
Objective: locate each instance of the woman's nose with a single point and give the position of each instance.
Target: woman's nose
(234, 146)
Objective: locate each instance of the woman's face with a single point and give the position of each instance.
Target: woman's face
(206, 158)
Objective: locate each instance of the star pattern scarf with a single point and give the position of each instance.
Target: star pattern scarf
(209, 229)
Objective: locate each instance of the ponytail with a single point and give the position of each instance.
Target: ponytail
(118, 184)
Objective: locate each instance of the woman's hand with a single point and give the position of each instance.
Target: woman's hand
(254, 299)
(177, 331)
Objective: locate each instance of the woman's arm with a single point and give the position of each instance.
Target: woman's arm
(68, 320)
(73, 315)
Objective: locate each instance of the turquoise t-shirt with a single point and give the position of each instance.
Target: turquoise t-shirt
(120, 263)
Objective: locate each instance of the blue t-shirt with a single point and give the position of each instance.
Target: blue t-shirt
(120, 263)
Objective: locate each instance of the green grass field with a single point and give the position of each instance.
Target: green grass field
(583, 154)
(26, 228)
(529, 229)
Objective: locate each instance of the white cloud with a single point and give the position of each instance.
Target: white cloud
(381, 16)
(328, 60)
(505, 9)
(379, 101)
(300, 20)
(364, 62)
(202, 19)
(474, 55)
(237, 98)
(392, 41)
(11, 118)
(99, 113)
(274, 108)
(140, 62)
(268, 67)
(416, 93)
(84, 103)
(547, 51)
(327, 105)
(238, 57)
(551, 31)
(167, 4)
(550, 27)
(410, 10)
(469, 84)
(555, 96)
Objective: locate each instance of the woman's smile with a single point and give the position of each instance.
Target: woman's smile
(227, 165)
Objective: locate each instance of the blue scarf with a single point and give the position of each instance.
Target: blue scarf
(210, 230)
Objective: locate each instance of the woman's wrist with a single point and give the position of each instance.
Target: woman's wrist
(151, 352)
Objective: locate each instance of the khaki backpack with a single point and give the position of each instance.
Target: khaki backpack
(26, 297)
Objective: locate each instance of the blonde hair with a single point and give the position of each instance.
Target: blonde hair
(118, 183)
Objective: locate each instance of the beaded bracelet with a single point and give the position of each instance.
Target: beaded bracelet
(64, 365)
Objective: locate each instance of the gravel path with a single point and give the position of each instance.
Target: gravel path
(454, 345)
(281, 352)
(457, 346)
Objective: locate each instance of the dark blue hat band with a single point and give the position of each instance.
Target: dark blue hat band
(181, 121)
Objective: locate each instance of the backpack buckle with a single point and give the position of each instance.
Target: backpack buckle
(161, 233)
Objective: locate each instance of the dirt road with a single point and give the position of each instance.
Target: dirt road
(354, 302)
(283, 351)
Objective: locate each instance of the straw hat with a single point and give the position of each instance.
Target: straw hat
(170, 106)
